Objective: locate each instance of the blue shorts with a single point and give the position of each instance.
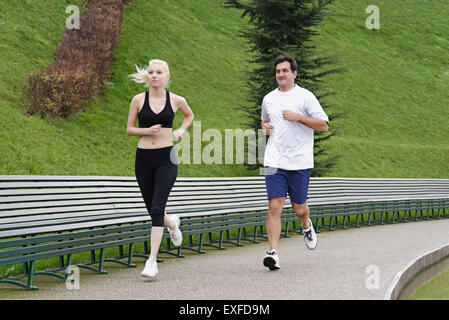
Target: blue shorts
(279, 182)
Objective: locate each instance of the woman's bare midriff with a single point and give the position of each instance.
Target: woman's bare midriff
(163, 139)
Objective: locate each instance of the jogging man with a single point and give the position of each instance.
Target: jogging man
(290, 114)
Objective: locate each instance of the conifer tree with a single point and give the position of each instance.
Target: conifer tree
(286, 27)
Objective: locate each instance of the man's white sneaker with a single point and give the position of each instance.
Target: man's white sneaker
(176, 234)
(310, 236)
(271, 260)
(150, 269)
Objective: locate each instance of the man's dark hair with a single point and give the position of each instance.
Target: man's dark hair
(286, 57)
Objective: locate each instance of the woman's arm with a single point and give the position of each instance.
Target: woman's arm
(181, 104)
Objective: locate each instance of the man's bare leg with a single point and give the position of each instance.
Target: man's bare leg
(273, 222)
(302, 212)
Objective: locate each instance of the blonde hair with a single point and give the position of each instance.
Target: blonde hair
(142, 75)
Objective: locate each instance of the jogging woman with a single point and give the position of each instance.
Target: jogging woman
(156, 165)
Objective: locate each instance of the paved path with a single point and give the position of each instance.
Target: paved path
(339, 268)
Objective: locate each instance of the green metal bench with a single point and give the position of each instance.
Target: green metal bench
(334, 202)
(44, 217)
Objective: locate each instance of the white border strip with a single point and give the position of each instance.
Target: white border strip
(404, 276)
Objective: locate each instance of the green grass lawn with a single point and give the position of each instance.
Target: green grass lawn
(435, 289)
(393, 93)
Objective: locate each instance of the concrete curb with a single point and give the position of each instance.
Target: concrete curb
(404, 276)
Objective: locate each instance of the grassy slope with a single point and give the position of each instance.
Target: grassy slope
(394, 91)
(197, 39)
(30, 30)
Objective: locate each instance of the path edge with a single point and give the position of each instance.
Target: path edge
(404, 276)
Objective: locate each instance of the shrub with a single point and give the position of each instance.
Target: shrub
(58, 92)
(82, 62)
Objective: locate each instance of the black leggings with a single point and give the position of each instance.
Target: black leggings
(156, 171)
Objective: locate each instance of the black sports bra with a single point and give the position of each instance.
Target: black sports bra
(147, 117)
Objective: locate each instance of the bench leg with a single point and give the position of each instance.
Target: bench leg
(129, 263)
(146, 248)
(255, 235)
(25, 268)
(31, 277)
(28, 273)
(407, 214)
(220, 245)
(100, 262)
(249, 238)
(230, 240)
(369, 218)
(357, 221)
(298, 229)
(200, 245)
(262, 233)
(69, 260)
(146, 251)
(340, 225)
(317, 225)
(191, 246)
(130, 255)
(239, 238)
(61, 262)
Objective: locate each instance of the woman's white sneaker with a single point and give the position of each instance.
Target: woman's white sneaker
(310, 236)
(150, 269)
(176, 234)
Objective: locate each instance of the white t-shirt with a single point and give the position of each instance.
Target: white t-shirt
(290, 146)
